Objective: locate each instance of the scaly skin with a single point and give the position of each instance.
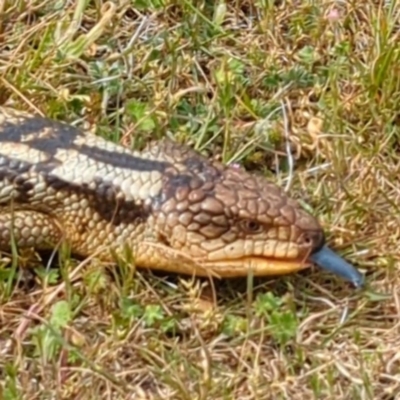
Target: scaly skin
(174, 209)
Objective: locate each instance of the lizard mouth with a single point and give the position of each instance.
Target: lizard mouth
(324, 258)
(258, 266)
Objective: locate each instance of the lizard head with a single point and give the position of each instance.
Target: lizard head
(232, 222)
(229, 222)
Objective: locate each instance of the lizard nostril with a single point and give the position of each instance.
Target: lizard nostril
(315, 240)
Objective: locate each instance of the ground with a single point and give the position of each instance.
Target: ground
(306, 93)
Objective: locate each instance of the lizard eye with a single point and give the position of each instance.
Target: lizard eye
(251, 226)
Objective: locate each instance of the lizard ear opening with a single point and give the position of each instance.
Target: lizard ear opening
(163, 239)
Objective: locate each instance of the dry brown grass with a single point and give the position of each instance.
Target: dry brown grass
(217, 77)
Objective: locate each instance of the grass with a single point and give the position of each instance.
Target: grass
(306, 93)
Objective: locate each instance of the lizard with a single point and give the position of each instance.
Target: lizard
(173, 208)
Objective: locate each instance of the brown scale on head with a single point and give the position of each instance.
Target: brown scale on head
(235, 221)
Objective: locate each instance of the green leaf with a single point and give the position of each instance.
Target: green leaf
(130, 309)
(60, 314)
(307, 54)
(266, 302)
(152, 314)
(139, 111)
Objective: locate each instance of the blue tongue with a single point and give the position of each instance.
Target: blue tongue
(332, 262)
